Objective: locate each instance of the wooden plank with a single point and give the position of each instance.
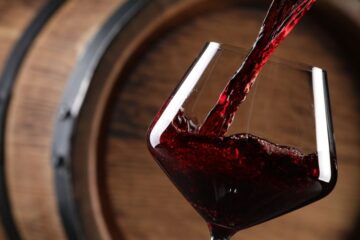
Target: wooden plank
(11, 28)
(11, 25)
(32, 111)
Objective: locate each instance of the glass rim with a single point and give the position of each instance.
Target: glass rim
(273, 59)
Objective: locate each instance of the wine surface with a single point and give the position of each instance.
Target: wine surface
(239, 180)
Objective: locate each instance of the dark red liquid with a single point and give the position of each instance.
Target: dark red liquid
(238, 181)
(282, 17)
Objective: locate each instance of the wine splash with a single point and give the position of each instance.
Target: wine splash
(281, 18)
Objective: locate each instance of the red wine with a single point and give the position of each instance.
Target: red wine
(282, 17)
(241, 180)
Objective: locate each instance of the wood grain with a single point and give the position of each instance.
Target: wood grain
(145, 203)
(11, 28)
(33, 109)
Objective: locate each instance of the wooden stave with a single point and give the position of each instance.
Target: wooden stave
(30, 226)
(187, 13)
(15, 50)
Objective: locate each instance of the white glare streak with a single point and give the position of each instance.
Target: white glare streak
(322, 134)
(182, 93)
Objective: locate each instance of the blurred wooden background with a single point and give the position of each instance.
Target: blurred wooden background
(140, 201)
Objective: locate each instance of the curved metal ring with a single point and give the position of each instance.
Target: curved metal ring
(70, 107)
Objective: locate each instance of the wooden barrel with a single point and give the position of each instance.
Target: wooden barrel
(75, 157)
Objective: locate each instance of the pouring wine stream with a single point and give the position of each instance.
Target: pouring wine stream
(281, 19)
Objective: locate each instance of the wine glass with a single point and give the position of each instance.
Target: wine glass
(277, 156)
